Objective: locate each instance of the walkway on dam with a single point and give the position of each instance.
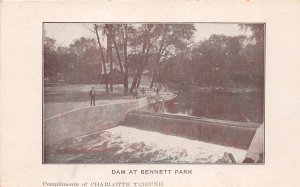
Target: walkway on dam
(55, 108)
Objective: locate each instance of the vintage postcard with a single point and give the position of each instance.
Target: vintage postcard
(150, 94)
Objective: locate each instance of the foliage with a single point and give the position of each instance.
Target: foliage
(167, 52)
(50, 57)
(78, 63)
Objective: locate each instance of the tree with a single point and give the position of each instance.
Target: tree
(255, 55)
(109, 34)
(216, 59)
(258, 33)
(144, 35)
(174, 38)
(50, 58)
(77, 63)
(80, 60)
(125, 43)
(116, 28)
(120, 34)
(157, 41)
(96, 27)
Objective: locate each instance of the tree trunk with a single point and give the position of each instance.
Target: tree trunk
(145, 54)
(136, 77)
(125, 60)
(117, 52)
(159, 54)
(138, 81)
(157, 70)
(102, 57)
(133, 85)
(153, 80)
(144, 63)
(109, 54)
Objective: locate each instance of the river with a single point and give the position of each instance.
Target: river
(243, 105)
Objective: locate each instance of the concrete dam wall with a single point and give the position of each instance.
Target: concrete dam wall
(87, 120)
(227, 133)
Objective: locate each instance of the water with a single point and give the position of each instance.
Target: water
(242, 105)
(129, 145)
(227, 133)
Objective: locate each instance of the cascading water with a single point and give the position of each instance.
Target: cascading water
(227, 133)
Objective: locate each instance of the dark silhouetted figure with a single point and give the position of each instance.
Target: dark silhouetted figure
(92, 96)
(157, 90)
(135, 93)
(143, 92)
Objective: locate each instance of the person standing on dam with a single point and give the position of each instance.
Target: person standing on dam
(143, 92)
(157, 91)
(134, 91)
(92, 96)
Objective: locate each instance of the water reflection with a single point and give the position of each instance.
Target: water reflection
(244, 105)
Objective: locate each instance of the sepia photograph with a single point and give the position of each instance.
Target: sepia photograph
(153, 93)
(150, 93)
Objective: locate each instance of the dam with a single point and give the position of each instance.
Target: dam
(135, 135)
(227, 133)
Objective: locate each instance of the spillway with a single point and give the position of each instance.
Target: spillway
(221, 132)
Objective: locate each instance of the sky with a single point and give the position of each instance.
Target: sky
(66, 33)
